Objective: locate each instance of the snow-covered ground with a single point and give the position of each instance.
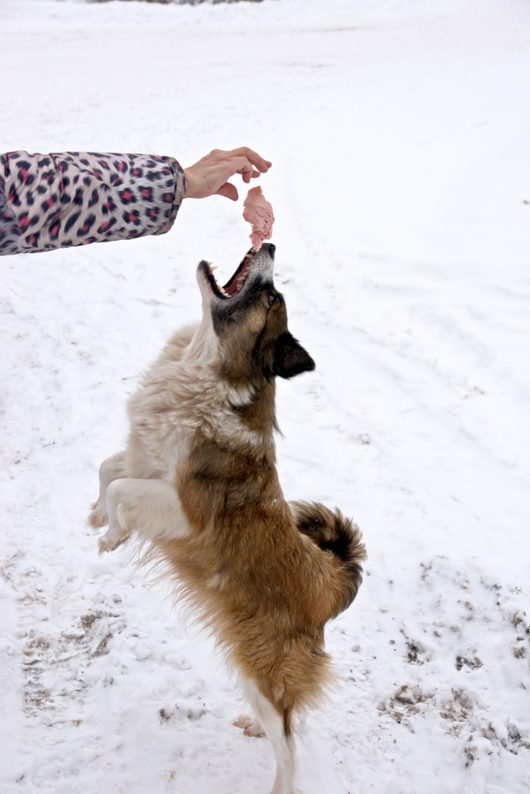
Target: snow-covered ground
(400, 136)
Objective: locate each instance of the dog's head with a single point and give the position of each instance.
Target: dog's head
(249, 319)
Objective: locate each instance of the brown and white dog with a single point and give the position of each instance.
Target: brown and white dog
(198, 480)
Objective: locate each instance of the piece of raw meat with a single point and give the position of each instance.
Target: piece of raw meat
(258, 212)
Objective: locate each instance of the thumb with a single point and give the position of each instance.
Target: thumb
(229, 191)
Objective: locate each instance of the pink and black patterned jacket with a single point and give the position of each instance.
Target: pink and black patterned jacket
(52, 201)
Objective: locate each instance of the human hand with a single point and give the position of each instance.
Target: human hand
(210, 175)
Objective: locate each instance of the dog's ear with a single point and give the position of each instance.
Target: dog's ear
(289, 357)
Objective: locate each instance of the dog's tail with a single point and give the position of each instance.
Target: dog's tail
(333, 532)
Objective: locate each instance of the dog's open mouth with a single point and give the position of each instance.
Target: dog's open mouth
(236, 282)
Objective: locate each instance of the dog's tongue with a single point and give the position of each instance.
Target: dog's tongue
(258, 212)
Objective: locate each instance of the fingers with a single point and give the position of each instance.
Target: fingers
(257, 161)
(242, 165)
(210, 175)
(228, 190)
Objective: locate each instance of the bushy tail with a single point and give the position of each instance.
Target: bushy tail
(333, 532)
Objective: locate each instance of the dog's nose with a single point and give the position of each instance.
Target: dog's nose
(271, 248)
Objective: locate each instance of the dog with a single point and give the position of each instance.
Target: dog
(198, 481)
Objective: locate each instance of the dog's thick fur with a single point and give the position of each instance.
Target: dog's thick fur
(198, 480)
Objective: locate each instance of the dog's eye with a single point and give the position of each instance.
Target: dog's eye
(272, 297)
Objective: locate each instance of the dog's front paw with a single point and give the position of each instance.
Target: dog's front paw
(113, 537)
(109, 542)
(118, 507)
(98, 516)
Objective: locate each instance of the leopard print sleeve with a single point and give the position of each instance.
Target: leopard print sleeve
(61, 200)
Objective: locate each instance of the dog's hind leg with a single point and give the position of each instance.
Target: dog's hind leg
(110, 470)
(250, 726)
(279, 732)
(149, 507)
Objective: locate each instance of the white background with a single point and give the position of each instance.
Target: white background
(399, 132)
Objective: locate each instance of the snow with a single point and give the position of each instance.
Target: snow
(398, 132)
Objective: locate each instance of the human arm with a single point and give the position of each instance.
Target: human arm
(50, 201)
(73, 198)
